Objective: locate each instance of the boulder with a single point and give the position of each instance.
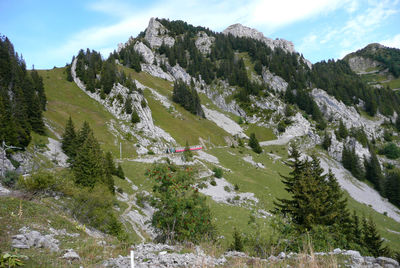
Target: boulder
(71, 255)
(34, 239)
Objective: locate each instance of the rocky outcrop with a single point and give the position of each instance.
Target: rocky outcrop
(239, 30)
(224, 122)
(204, 42)
(28, 239)
(145, 51)
(112, 103)
(336, 148)
(360, 65)
(156, 71)
(335, 111)
(277, 83)
(179, 73)
(156, 34)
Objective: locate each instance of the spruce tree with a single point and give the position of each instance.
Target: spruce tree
(88, 166)
(373, 172)
(68, 143)
(253, 143)
(120, 172)
(372, 240)
(326, 143)
(109, 164)
(342, 132)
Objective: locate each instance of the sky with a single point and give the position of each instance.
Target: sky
(48, 32)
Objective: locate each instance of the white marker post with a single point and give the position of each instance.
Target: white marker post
(132, 259)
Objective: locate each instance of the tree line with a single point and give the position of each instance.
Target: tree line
(22, 98)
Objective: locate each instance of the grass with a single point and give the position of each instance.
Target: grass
(187, 127)
(40, 215)
(262, 133)
(395, 83)
(66, 99)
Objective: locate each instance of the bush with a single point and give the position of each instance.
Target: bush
(237, 244)
(39, 181)
(181, 213)
(391, 151)
(236, 187)
(10, 178)
(218, 172)
(135, 117)
(94, 207)
(213, 183)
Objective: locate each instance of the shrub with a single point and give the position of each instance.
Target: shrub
(94, 207)
(236, 187)
(39, 181)
(10, 178)
(253, 143)
(181, 213)
(213, 183)
(135, 117)
(391, 151)
(218, 172)
(227, 189)
(237, 244)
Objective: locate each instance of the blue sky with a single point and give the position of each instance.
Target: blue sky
(49, 33)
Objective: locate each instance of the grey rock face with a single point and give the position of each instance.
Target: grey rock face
(336, 110)
(387, 262)
(275, 82)
(146, 52)
(156, 71)
(179, 73)
(30, 239)
(156, 34)
(204, 42)
(361, 64)
(239, 30)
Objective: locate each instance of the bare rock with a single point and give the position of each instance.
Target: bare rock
(360, 64)
(239, 30)
(71, 255)
(180, 74)
(156, 34)
(387, 262)
(34, 239)
(156, 71)
(145, 51)
(277, 83)
(204, 42)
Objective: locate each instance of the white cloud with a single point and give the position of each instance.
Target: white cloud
(266, 15)
(392, 42)
(358, 30)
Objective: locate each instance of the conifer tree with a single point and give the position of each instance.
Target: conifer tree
(253, 143)
(326, 143)
(373, 172)
(68, 143)
(88, 166)
(120, 172)
(342, 132)
(83, 134)
(372, 240)
(109, 164)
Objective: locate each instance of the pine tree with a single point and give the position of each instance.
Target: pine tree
(83, 134)
(135, 117)
(392, 187)
(109, 164)
(373, 172)
(68, 143)
(88, 166)
(253, 143)
(326, 143)
(342, 132)
(120, 172)
(372, 240)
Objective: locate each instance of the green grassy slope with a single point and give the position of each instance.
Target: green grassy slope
(66, 99)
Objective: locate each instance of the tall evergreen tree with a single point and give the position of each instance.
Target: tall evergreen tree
(253, 143)
(373, 172)
(68, 143)
(88, 166)
(372, 240)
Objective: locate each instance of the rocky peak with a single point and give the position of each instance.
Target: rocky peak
(156, 34)
(239, 30)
